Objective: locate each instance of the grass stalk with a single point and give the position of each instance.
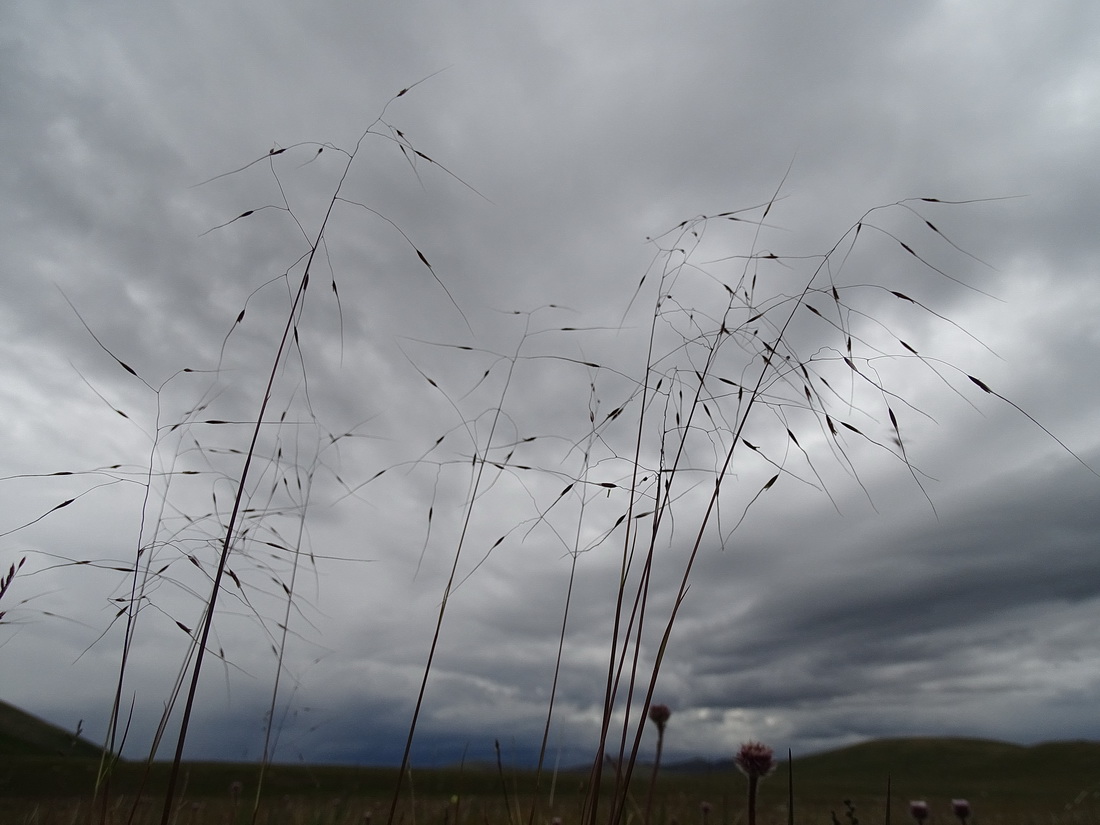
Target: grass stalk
(693, 397)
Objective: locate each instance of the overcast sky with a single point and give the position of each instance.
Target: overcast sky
(948, 586)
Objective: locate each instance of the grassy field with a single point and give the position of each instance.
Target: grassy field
(1052, 783)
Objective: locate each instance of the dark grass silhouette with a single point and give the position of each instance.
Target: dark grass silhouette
(758, 371)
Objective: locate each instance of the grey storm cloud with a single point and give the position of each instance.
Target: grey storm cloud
(493, 268)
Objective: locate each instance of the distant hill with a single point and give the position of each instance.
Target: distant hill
(1051, 774)
(944, 764)
(23, 735)
(873, 755)
(1006, 783)
(1044, 777)
(951, 754)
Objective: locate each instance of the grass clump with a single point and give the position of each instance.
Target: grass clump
(755, 371)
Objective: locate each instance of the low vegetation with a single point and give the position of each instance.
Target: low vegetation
(1058, 782)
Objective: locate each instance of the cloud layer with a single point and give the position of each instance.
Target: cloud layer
(482, 304)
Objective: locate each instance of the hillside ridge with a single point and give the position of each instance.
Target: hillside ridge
(23, 734)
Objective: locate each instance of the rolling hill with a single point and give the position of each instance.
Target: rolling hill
(1009, 779)
(23, 735)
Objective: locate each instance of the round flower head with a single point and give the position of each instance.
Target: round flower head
(918, 809)
(659, 714)
(961, 808)
(755, 760)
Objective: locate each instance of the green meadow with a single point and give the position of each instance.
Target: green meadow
(48, 776)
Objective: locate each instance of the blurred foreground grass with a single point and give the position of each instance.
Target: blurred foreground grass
(1009, 784)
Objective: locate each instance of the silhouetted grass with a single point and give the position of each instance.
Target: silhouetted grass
(757, 371)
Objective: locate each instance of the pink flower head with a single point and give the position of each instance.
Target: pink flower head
(961, 808)
(755, 760)
(659, 714)
(918, 809)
